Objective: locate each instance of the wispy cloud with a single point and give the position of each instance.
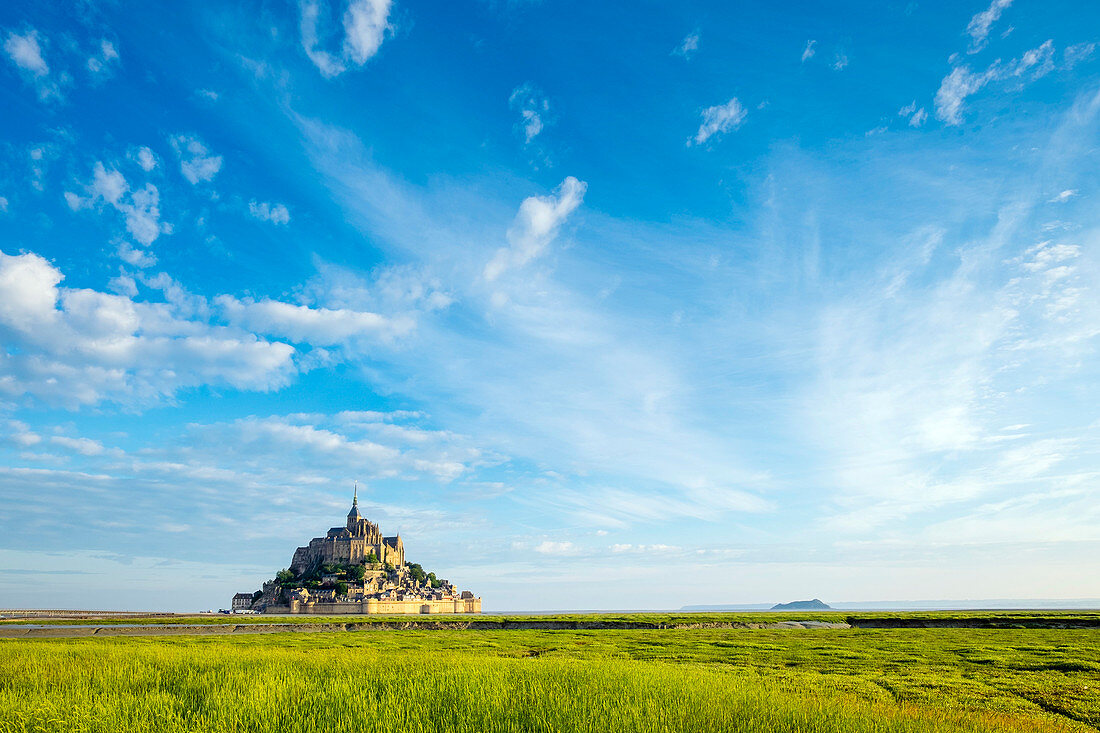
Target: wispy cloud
(809, 51)
(688, 46)
(535, 227)
(962, 82)
(364, 24)
(264, 211)
(533, 108)
(719, 120)
(979, 26)
(197, 164)
(915, 116)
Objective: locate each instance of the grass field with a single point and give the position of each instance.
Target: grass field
(569, 680)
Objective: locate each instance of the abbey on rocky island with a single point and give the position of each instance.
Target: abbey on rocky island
(354, 569)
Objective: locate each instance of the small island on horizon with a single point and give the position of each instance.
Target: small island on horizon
(815, 604)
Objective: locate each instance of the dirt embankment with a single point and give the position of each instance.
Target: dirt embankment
(976, 622)
(473, 624)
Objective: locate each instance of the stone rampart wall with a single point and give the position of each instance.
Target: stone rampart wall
(372, 606)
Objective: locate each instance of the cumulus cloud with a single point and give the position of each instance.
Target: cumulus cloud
(809, 51)
(962, 82)
(318, 326)
(718, 120)
(980, 24)
(688, 46)
(533, 108)
(25, 52)
(197, 164)
(139, 207)
(76, 346)
(535, 227)
(364, 25)
(274, 213)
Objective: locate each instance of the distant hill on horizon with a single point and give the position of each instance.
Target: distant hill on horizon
(970, 604)
(814, 605)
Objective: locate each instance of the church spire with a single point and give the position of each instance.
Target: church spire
(354, 517)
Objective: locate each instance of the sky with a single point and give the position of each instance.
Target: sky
(603, 305)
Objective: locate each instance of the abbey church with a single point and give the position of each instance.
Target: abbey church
(355, 569)
(353, 543)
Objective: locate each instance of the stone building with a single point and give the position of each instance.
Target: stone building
(242, 602)
(352, 543)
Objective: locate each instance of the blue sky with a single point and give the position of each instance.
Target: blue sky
(604, 305)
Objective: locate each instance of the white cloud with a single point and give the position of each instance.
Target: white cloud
(1077, 53)
(980, 24)
(1064, 196)
(196, 162)
(26, 53)
(718, 120)
(100, 64)
(83, 446)
(135, 256)
(809, 51)
(549, 547)
(20, 434)
(533, 107)
(840, 61)
(76, 346)
(274, 213)
(688, 46)
(962, 82)
(535, 227)
(317, 326)
(953, 91)
(369, 445)
(916, 116)
(365, 23)
(139, 207)
(146, 158)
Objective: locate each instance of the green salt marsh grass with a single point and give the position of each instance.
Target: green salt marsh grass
(540, 680)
